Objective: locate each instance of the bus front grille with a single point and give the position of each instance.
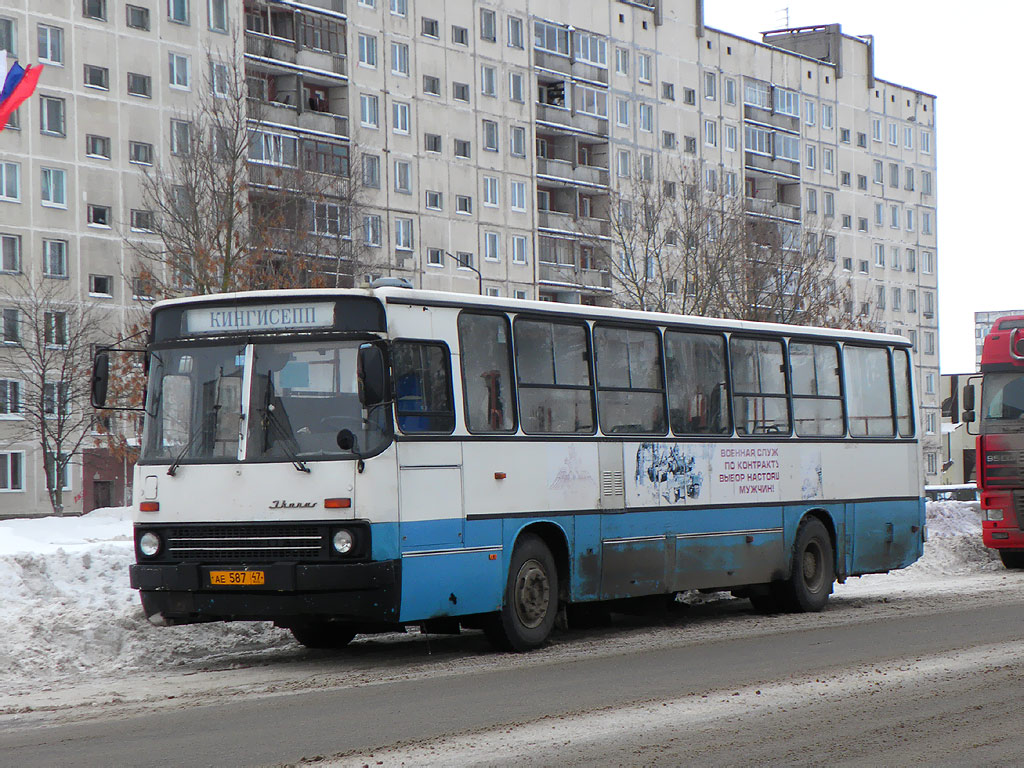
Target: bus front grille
(246, 543)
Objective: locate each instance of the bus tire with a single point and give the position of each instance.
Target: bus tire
(1012, 559)
(323, 634)
(813, 568)
(530, 604)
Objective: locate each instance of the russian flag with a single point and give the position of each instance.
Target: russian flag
(18, 85)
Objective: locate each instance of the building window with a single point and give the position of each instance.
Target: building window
(180, 71)
(460, 92)
(101, 285)
(645, 114)
(53, 189)
(217, 10)
(621, 61)
(141, 221)
(400, 117)
(517, 195)
(894, 132)
(462, 148)
(927, 262)
(490, 134)
(51, 117)
(177, 11)
(491, 191)
(140, 153)
(729, 85)
(710, 86)
(403, 234)
(96, 77)
(98, 215)
(140, 85)
(432, 85)
(926, 223)
(463, 204)
(488, 81)
(368, 51)
(926, 182)
(518, 249)
(787, 102)
(515, 32)
(12, 466)
(435, 257)
(368, 110)
(95, 9)
(830, 204)
(812, 201)
(668, 140)
(668, 91)
(827, 160)
(372, 230)
(517, 141)
(137, 17)
(460, 35)
(181, 138)
(643, 67)
(403, 177)
(435, 200)
(400, 59)
(432, 142)
(811, 162)
(399, 7)
(10, 393)
(55, 258)
(515, 87)
(10, 254)
(622, 112)
(371, 171)
(430, 28)
(491, 246)
(809, 111)
(51, 45)
(926, 142)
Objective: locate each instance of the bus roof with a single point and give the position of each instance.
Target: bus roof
(415, 296)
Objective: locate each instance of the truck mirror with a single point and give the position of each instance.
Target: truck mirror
(100, 378)
(968, 417)
(373, 377)
(969, 397)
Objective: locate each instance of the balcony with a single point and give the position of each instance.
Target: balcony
(772, 209)
(582, 70)
(290, 55)
(283, 113)
(570, 172)
(562, 117)
(767, 117)
(570, 274)
(772, 166)
(584, 226)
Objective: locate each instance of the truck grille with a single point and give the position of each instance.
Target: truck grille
(1018, 508)
(245, 543)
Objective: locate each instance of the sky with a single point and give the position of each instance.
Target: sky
(966, 60)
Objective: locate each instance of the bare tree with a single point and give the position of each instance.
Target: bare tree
(50, 342)
(238, 206)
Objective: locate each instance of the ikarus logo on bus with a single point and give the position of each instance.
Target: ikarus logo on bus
(282, 504)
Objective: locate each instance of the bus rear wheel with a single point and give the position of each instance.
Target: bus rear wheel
(530, 605)
(813, 569)
(1012, 559)
(323, 634)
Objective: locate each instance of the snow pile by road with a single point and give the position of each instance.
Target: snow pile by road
(68, 615)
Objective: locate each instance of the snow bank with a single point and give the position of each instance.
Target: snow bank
(68, 615)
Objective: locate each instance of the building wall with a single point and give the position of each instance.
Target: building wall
(832, 71)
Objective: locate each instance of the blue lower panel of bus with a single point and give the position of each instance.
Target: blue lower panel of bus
(629, 554)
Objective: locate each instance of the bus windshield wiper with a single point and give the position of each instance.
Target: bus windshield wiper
(271, 418)
(188, 444)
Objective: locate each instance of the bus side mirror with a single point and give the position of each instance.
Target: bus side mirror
(969, 398)
(373, 376)
(100, 378)
(967, 417)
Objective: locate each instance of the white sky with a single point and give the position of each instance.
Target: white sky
(969, 61)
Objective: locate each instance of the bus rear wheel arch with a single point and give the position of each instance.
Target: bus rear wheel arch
(812, 573)
(530, 604)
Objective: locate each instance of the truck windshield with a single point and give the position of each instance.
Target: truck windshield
(1002, 407)
(302, 404)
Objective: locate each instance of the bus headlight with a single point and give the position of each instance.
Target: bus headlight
(149, 543)
(343, 542)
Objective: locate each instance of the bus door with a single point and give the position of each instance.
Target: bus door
(430, 510)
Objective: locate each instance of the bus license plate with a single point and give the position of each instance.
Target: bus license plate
(237, 578)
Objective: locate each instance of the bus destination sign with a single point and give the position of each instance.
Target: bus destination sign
(260, 317)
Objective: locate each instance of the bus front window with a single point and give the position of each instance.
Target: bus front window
(194, 404)
(1002, 405)
(305, 404)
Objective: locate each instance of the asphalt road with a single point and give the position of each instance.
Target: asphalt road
(805, 694)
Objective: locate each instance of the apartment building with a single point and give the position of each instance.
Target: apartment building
(490, 137)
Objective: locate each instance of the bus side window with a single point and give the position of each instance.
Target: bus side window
(696, 383)
(553, 365)
(423, 387)
(904, 410)
(485, 350)
(868, 393)
(630, 385)
(760, 405)
(817, 398)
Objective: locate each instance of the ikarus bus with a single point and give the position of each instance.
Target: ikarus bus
(355, 461)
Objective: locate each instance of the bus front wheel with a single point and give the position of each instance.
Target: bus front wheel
(1012, 559)
(323, 634)
(813, 569)
(530, 605)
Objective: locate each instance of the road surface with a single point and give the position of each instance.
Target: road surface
(879, 678)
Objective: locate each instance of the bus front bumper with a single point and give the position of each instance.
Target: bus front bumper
(184, 593)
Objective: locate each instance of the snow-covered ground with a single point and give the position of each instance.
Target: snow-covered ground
(68, 617)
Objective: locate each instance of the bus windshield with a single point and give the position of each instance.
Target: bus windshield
(1002, 405)
(302, 403)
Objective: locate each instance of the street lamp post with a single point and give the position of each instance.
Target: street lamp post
(467, 265)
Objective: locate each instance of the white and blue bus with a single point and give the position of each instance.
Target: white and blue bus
(354, 461)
